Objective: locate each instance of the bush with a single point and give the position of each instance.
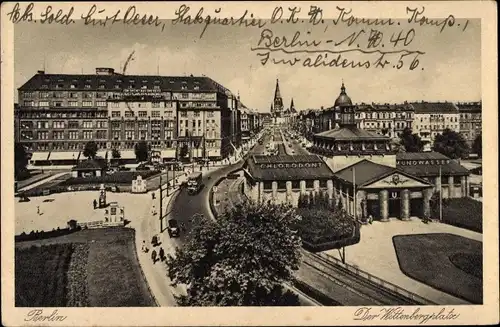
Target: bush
(320, 226)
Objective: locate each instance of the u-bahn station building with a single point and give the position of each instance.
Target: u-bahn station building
(348, 160)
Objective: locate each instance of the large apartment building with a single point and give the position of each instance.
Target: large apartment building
(384, 119)
(59, 113)
(432, 118)
(470, 120)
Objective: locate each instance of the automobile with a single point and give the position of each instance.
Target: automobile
(290, 145)
(293, 151)
(173, 228)
(154, 240)
(260, 141)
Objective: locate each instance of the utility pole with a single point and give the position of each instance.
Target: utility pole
(440, 196)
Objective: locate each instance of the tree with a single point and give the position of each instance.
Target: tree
(451, 144)
(20, 159)
(410, 141)
(141, 151)
(90, 150)
(242, 259)
(115, 154)
(183, 151)
(477, 146)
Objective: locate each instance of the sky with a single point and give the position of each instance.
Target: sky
(451, 63)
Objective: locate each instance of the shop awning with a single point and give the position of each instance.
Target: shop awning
(127, 154)
(64, 155)
(37, 156)
(168, 153)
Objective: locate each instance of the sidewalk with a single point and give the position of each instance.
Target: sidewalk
(156, 273)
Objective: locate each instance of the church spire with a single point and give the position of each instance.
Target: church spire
(277, 91)
(292, 106)
(278, 101)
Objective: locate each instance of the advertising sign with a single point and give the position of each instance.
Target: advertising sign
(290, 165)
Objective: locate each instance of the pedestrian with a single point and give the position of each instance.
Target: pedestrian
(38, 210)
(370, 219)
(153, 210)
(162, 254)
(95, 203)
(153, 256)
(143, 247)
(153, 195)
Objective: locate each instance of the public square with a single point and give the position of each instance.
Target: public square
(57, 209)
(376, 255)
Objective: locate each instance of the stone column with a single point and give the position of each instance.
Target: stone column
(289, 192)
(451, 187)
(302, 187)
(329, 187)
(260, 185)
(316, 186)
(405, 204)
(360, 210)
(463, 182)
(438, 184)
(383, 198)
(341, 196)
(275, 190)
(427, 194)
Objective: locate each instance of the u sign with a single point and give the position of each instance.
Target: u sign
(394, 195)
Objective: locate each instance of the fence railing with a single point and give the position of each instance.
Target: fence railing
(376, 280)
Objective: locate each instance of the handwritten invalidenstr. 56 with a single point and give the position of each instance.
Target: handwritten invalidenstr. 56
(344, 41)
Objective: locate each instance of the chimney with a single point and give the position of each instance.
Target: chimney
(41, 72)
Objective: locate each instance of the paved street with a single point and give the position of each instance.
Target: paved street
(185, 205)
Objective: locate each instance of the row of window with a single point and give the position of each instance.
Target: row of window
(268, 185)
(167, 124)
(76, 114)
(69, 104)
(61, 124)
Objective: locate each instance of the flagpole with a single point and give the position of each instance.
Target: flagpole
(440, 196)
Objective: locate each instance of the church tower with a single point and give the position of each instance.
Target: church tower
(278, 101)
(292, 107)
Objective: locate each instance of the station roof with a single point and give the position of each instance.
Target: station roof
(367, 172)
(428, 164)
(288, 168)
(351, 133)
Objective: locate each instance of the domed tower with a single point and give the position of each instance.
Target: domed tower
(343, 105)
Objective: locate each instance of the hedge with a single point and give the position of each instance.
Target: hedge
(43, 235)
(120, 177)
(464, 213)
(319, 247)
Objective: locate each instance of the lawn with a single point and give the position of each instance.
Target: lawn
(93, 268)
(447, 262)
(41, 275)
(464, 213)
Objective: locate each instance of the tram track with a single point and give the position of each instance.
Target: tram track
(375, 294)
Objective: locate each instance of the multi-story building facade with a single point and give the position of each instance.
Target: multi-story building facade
(59, 113)
(470, 120)
(432, 118)
(384, 119)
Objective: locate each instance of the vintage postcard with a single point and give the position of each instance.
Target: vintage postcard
(249, 163)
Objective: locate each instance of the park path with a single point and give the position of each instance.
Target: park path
(43, 181)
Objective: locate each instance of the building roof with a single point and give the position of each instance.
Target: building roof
(88, 165)
(63, 82)
(365, 171)
(435, 108)
(420, 156)
(288, 168)
(474, 107)
(343, 99)
(351, 133)
(428, 164)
